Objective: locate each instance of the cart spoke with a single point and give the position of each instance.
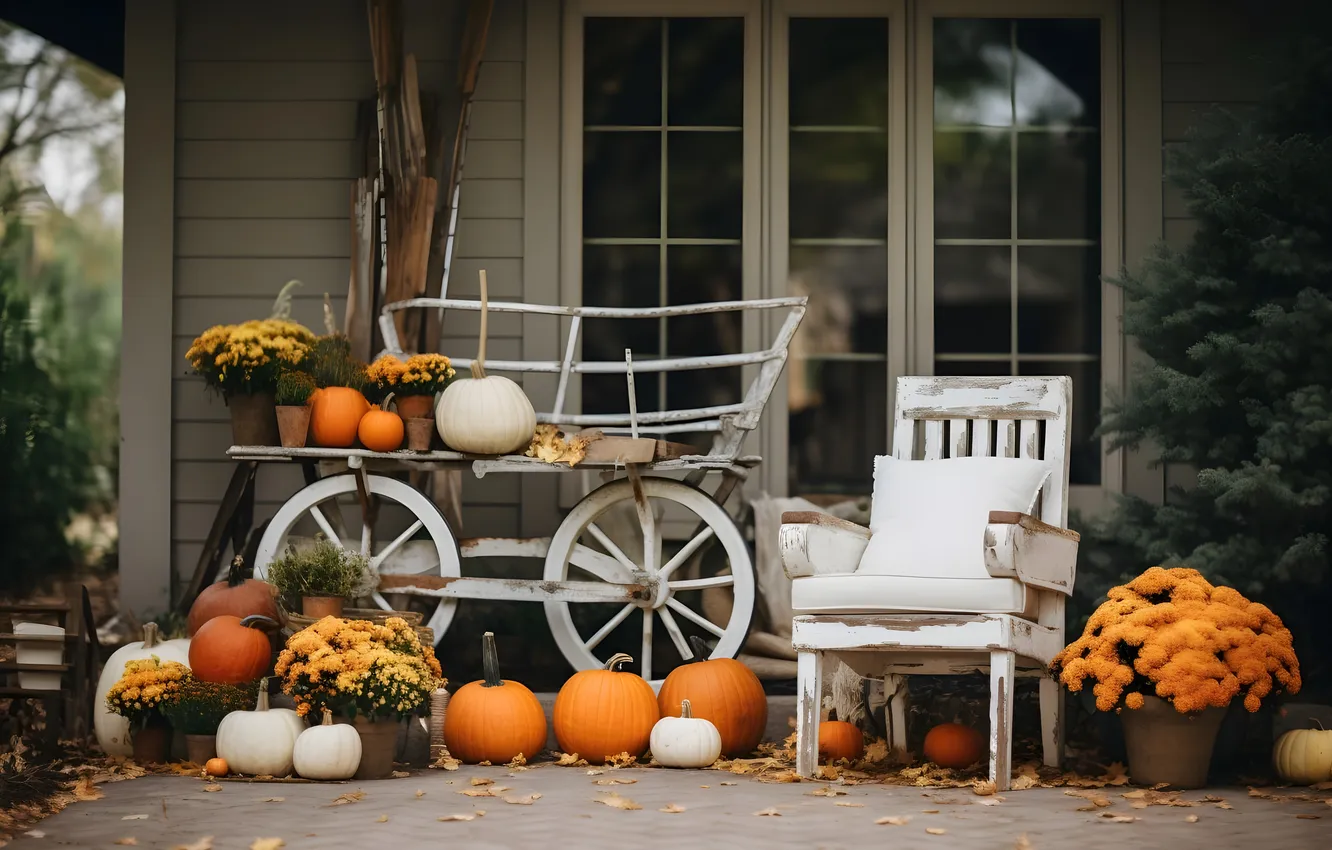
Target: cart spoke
(647, 521)
(616, 552)
(677, 636)
(397, 542)
(324, 525)
(367, 538)
(602, 566)
(620, 616)
(686, 552)
(647, 643)
(699, 583)
(694, 617)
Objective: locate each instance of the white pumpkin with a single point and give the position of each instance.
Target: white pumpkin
(260, 742)
(113, 730)
(328, 751)
(1304, 756)
(685, 741)
(485, 414)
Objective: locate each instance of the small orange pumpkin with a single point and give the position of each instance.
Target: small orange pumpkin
(381, 430)
(602, 713)
(216, 767)
(840, 740)
(723, 691)
(230, 650)
(494, 719)
(237, 595)
(335, 414)
(954, 745)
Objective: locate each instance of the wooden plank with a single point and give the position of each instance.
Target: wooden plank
(205, 571)
(265, 199)
(491, 159)
(196, 314)
(511, 589)
(1029, 440)
(934, 439)
(488, 198)
(1005, 438)
(229, 237)
(275, 80)
(957, 438)
(504, 42)
(981, 438)
(284, 160)
(981, 398)
(259, 277)
(490, 237)
(499, 81)
(497, 119)
(266, 120)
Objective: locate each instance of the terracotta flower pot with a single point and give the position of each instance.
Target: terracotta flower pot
(151, 742)
(253, 419)
(420, 433)
(293, 424)
(379, 742)
(1166, 746)
(319, 607)
(200, 748)
(415, 406)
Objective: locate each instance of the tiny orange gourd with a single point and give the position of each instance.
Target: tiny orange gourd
(232, 651)
(602, 713)
(335, 414)
(494, 719)
(840, 740)
(954, 745)
(720, 690)
(216, 767)
(380, 429)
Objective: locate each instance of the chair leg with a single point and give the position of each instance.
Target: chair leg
(1052, 722)
(1003, 667)
(809, 690)
(896, 686)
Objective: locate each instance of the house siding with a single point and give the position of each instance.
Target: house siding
(265, 145)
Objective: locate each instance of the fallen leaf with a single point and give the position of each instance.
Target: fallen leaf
(205, 843)
(728, 783)
(127, 841)
(898, 821)
(1116, 774)
(705, 786)
(469, 816)
(481, 780)
(525, 800)
(419, 793)
(1191, 819)
(268, 844)
(1321, 786)
(1118, 818)
(399, 774)
(621, 760)
(349, 797)
(929, 811)
(827, 771)
(615, 801)
(849, 805)
(1144, 798)
(382, 819)
(85, 790)
(596, 771)
(770, 812)
(988, 801)
(570, 760)
(519, 760)
(35, 833)
(671, 809)
(1023, 843)
(1022, 783)
(983, 788)
(876, 751)
(135, 817)
(610, 780)
(826, 791)
(934, 830)
(1308, 817)
(1224, 805)
(212, 786)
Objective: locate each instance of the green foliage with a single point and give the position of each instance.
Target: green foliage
(294, 388)
(332, 364)
(321, 569)
(201, 705)
(1239, 327)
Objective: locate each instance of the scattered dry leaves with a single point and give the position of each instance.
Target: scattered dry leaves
(1095, 799)
(826, 791)
(569, 760)
(983, 788)
(615, 801)
(1023, 843)
(671, 809)
(349, 797)
(849, 805)
(1308, 817)
(1113, 818)
(85, 790)
(517, 761)
(382, 819)
(621, 760)
(770, 812)
(894, 821)
(478, 781)
(420, 792)
(446, 762)
(135, 817)
(268, 844)
(485, 791)
(934, 830)
(205, 843)
(460, 817)
(212, 786)
(1142, 798)
(127, 841)
(724, 784)
(525, 800)
(399, 774)
(1191, 819)
(611, 780)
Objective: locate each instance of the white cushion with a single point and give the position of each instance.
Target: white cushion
(855, 593)
(928, 517)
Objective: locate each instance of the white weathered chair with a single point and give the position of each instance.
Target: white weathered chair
(1002, 610)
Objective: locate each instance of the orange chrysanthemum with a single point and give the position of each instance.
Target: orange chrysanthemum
(1171, 633)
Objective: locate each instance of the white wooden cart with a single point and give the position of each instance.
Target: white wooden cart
(583, 565)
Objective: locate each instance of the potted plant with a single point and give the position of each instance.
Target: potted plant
(242, 362)
(321, 576)
(294, 389)
(1174, 650)
(376, 674)
(199, 708)
(414, 384)
(339, 402)
(141, 695)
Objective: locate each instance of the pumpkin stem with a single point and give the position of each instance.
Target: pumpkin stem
(328, 718)
(1314, 719)
(479, 364)
(259, 621)
(700, 648)
(150, 635)
(617, 659)
(235, 576)
(490, 661)
(388, 398)
(832, 715)
(262, 703)
(685, 710)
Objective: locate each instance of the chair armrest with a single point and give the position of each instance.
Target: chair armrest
(1035, 553)
(813, 544)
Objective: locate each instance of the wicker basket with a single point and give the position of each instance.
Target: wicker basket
(376, 615)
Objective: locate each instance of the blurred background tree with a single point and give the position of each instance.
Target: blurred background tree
(61, 154)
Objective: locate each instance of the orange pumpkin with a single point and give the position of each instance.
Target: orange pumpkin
(602, 713)
(954, 745)
(381, 430)
(494, 719)
(840, 740)
(335, 413)
(238, 596)
(230, 650)
(723, 691)
(216, 767)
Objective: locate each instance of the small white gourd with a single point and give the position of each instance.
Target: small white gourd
(1304, 756)
(259, 742)
(111, 728)
(685, 741)
(328, 751)
(485, 414)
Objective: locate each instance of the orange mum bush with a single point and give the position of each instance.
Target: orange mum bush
(1171, 633)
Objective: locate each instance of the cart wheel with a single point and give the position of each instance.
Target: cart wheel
(581, 547)
(318, 501)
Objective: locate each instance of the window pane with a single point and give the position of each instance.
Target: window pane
(973, 185)
(1059, 185)
(839, 185)
(1058, 78)
(622, 71)
(1059, 300)
(620, 276)
(1084, 452)
(621, 184)
(705, 184)
(972, 299)
(848, 298)
(705, 76)
(973, 70)
(838, 423)
(839, 72)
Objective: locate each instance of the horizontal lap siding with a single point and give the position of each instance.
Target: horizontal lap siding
(266, 125)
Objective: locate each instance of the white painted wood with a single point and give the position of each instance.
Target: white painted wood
(1035, 553)
(927, 632)
(982, 398)
(809, 690)
(934, 436)
(1005, 438)
(520, 590)
(895, 688)
(811, 548)
(1001, 718)
(957, 438)
(982, 440)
